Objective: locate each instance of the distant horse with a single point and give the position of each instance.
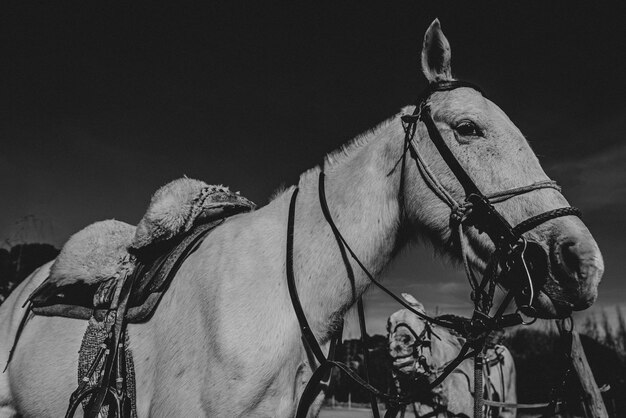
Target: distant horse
(421, 350)
(225, 342)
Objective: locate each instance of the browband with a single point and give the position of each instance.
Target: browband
(443, 86)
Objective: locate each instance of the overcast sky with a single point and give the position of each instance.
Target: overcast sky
(100, 105)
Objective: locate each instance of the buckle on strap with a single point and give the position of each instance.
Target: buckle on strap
(409, 119)
(487, 219)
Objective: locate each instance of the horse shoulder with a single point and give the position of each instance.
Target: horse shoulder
(232, 291)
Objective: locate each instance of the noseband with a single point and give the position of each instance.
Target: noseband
(509, 264)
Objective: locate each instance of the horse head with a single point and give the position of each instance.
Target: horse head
(497, 157)
(414, 346)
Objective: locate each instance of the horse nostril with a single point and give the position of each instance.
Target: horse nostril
(580, 260)
(584, 304)
(580, 268)
(570, 258)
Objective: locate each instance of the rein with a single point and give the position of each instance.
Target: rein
(420, 343)
(507, 265)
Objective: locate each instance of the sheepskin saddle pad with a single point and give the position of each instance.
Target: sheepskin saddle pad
(92, 263)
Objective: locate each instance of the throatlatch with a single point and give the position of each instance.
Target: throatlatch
(509, 265)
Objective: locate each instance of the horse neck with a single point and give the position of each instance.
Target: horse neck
(446, 349)
(363, 202)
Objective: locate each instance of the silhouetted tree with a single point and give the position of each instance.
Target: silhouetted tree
(621, 329)
(591, 328)
(20, 261)
(609, 339)
(539, 358)
(7, 274)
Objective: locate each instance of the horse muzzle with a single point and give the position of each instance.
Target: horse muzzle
(578, 267)
(405, 365)
(566, 277)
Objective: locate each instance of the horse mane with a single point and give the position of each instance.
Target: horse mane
(454, 337)
(278, 191)
(345, 150)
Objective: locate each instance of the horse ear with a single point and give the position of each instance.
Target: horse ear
(413, 302)
(436, 54)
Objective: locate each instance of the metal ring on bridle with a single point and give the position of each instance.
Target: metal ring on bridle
(521, 314)
(565, 321)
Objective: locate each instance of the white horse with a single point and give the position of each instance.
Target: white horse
(225, 342)
(422, 350)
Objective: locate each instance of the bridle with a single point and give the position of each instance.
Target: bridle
(477, 210)
(509, 264)
(420, 343)
(415, 382)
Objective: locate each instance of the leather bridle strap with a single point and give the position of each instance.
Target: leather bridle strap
(466, 182)
(423, 339)
(329, 219)
(488, 219)
(325, 364)
(537, 220)
(307, 333)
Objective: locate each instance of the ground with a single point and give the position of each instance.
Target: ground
(367, 413)
(353, 413)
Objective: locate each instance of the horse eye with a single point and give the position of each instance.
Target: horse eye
(468, 128)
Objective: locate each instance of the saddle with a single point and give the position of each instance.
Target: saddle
(111, 274)
(87, 276)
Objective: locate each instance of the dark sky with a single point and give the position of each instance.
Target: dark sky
(101, 104)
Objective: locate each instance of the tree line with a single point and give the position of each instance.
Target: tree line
(17, 262)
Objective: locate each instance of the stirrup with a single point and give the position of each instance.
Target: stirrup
(113, 365)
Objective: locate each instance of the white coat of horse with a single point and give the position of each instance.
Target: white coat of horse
(225, 341)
